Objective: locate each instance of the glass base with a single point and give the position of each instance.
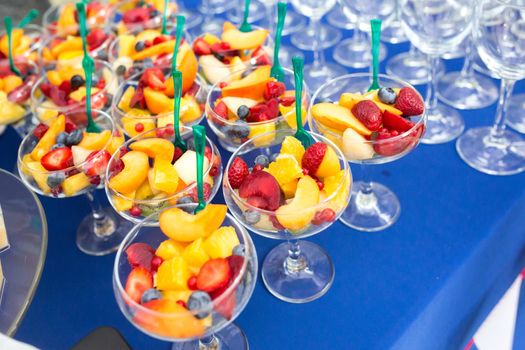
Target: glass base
(393, 34)
(444, 124)
(463, 92)
(356, 55)
(293, 23)
(411, 68)
(109, 233)
(315, 77)
(504, 155)
(304, 40)
(371, 212)
(257, 12)
(516, 113)
(230, 337)
(342, 19)
(304, 284)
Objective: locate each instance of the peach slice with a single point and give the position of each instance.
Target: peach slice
(298, 214)
(70, 44)
(16, 37)
(136, 166)
(252, 86)
(80, 93)
(157, 101)
(135, 116)
(75, 184)
(338, 117)
(125, 100)
(155, 148)
(233, 104)
(95, 141)
(123, 204)
(169, 249)
(329, 165)
(48, 140)
(10, 112)
(256, 130)
(115, 143)
(159, 49)
(185, 227)
(188, 65)
(126, 45)
(244, 41)
(165, 177)
(11, 82)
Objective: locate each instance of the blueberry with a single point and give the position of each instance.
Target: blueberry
(186, 200)
(387, 95)
(148, 63)
(238, 250)
(77, 81)
(57, 145)
(200, 301)
(251, 217)
(243, 112)
(139, 46)
(149, 295)
(154, 13)
(239, 131)
(262, 160)
(55, 179)
(62, 137)
(74, 137)
(121, 70)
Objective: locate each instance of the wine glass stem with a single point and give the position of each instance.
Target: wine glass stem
(209, 343)
(359, 36)
(319, 59)
(505, 93)
(103, 225)
(432, 100)
(468, 66)
(295, 262)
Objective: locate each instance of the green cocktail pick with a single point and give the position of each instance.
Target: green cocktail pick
(199, 139)
(8, 22)
(245, 26)
(277, 71)
(376, 37)
(88, 66)
(177, 92)
(181, 20)
(301, 134)
(30, 17)
(164, 17)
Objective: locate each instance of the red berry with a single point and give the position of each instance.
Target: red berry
(287, 100)
(223, 84)
(160, 39)
(261, 184)
(192, 283)
(72, 172)
(261, 57)
(201, 47)
(225, 45)
(238, 172)
(393, 122)
(221, 110)
(207, 153)
(182, 303)
(135, 211)
(140, 255)
(409, 102)
(139, 281)
(70, 126)
(94, 180)
(148, 43)
(317, 220)
(214, 274)
(177, 154)
(305, 171)
(313, 156)
(153, 78)
(369, 114)
(214, 171)
(116, 133)
(136, 15)
(168, 130)
(123, 150)
(273, 108)
(40, 130)
(257, 167)
(206, 190)
(389, 148)
(139, 127)
(95, 38)
(328, 215)
(159, 133)
(256, 112)
(274, 89)
(57, 159)
(55, 191)
(155, 263)
(320, 184)
(65, 86)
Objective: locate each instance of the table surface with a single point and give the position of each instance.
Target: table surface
(426, 282)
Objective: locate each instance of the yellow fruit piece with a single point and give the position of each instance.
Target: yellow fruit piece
(289, 115)
(123, 204)
(136, 166)
(339, 184)
(134, 117)
(145, 35)
(227, 26)
(16, 37)
(95, 141)
(293, 147)
(126, 45)
(144, 191)
(285, 169)
(80, 93)
(54, 77)
(66, 21)
(195, 255)
(298, 214)
(173, 274)
(349, 99)
(39, 174)
(155, 147)
(26, 159)
(244, 40)
(169, 249)
(237, 67)
(185, 227)
(73, 43)
(23, 46)
(177, 295)
(165, 177)
(211, 39)
(47, 111)
(10, 112)
(330, 164)
(259, 129)
(11, 82)
(290, 188)
(190, 109)
(48, 140)
(47, 55)
(70, 55)
(2, 88)
(74, 184)
(159, 49)
(157, 101)
(252, 86)
(220, 243)
(337, 117)
(68, 72)
(114, 145)
(126, 99)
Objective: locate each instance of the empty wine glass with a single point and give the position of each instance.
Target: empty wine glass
(516, 110)
(434, 26)
(342, 19)
(356, 52)
(319, 71)
(467, 89)
(316, 36)
(499, 33)
(394, 33)
(209, 8)
(411, 66)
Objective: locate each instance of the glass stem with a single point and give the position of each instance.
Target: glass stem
(209, 343)
(432, 100)
(505, 93)
(397, 11)
(319, 59)
(468, 66)
(103, 226)
(365, 198)
(359, 36)
(295, 261)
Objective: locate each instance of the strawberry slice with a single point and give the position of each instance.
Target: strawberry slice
(96, 38)
(58, 159)
(201, 47)
(140, 255)
(138, 99)
(392, 121)
(40, 130)
(154, 78)
(261, 57)
(97, 162)
(136, 15)
(139, 281)
(214, 274)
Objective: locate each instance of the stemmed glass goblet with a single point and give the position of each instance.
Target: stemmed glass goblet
(412, 66)
(394, 33)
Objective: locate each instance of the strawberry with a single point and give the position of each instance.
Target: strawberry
(287, 101)
(154, 78)
(97, 162)
(221, 110)
(65, 86)
(40, 130)
(313, 156)
(273, 108)
(139, 281)
(95, 38)
(177, 154)
(138, 99)
(58, 159)
(274, 89)
(207, 192)
(45, 88)
(256, 112)
(214, 274)
(140, 255)
(392, 122)
(136, 15)
(409, 102)
(58, 96)
(369, 114)
(261, 57)
(201, 47)
(238, 172)
(389, 148)
(264, 185)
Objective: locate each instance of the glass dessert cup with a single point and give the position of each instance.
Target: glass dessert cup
(412, 66)
(261, 115)
(158, 106)
(61, 19)
(170, 319)
(53, 93)
(295, 271)
(135, 188)
(373, 207)
(72, 169)
(232, 51)
(26, 43)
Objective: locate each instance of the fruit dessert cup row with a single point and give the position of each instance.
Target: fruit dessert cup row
(149, 173)
(187, 279)
(239, 110)
(145, 101)
(233, 52)
(63, 90)
(62, 19)
(60, 158)
(25, 42)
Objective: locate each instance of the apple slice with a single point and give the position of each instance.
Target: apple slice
(213, 69)
(338, 117)
(186, 166)
(355, 146)
(79, 154)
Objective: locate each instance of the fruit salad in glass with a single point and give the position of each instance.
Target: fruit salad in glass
(371, 127)
(145, 101)
(187, 280)
(232, 52)
(149, 173)
(140, 15)
(280, 189)
(25, 43)
(238, 110)
(62, 19)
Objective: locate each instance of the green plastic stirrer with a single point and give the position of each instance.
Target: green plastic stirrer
(177, 85)
(245, 26)
(277, 71)
(88, 65)
(164, 19)
(376, 43)
(181, 20)
(301, 134)
(8, 21)
(199, 138)
(32, 14)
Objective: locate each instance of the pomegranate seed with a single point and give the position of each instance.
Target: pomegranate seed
(225, 45)
(223, 84)
(317, 220)
(257, 167)
(148, 43)
(159, 133)
(155, 263)
(135, 211)
(94, 180)
(139, 127)
(116, 133)
(182, 303)
(55, 191)
(214, 171)
(72, 172)
(192, 283)
(320, 184)
(328, 215)
(169, 130)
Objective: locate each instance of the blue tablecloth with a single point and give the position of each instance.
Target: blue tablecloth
(425, 283)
